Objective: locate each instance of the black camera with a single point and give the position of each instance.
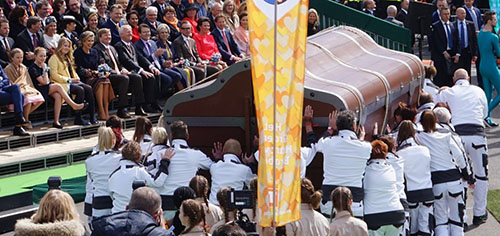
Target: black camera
(242, 199)
(54, 182)
(138, 183)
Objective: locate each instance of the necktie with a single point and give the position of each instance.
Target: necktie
(7, 48)
(35, 43)
(115, 65)
(448, 36)
(462, 35)
(117, 25)
(226, 42)
(474, 18)
(32, 11)
(129, 49)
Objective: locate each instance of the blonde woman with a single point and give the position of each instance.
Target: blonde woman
(62, 72)
(229, 12)
(56, 215)
(312, 22)
(18, 74)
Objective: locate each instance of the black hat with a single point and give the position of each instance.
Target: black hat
(191, 6)
(66, 19)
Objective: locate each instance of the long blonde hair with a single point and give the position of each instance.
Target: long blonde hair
(231, 14)
(69, 55)
(56, 205)
(106, 138)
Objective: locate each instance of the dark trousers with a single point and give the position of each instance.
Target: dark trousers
(168, 78)
(355, 5)
(83, 92)
(200, 72)
(12, 95)
(150, 88)
(121, 85)
(443, 76)
(465, 60)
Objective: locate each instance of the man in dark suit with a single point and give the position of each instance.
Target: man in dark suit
(42, 10)
(135, 62)
(6, 42)
(11, 94)
(225, 42)
(443, 47)
(467, 46)
(30, 38)
(391, 14)
(160, 5)
(369, 7)
(179, 8)
(114, 22)
(473, 14)
(215, 11)
(30, 6)
(403, 12)
(76, 9)
(121, 79)
(148, 49)
(436, 15)
(151, 22)
(69, 25)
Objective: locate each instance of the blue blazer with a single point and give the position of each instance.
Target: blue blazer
(468, 16)
(115, 36)
(226, 56)
(435, 17)
(141, 49)
(438, 41)
(5, 80)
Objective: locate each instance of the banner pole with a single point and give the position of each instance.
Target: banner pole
(274, 112)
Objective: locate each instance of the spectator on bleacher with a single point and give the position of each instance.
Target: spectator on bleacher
(142, 134)
(133, 21)
(232, 21)
(79, 12)
(344, 224)
(213, 213)
(121, 79)
(230, 171)
(173, 23)
(140, 7)
(436, 15)
(102, 11)
(87, 63)
(69, 25)
(42, 10)
(311, 222)
(242, 8)
(50, 36)
(114, 22)
(120, 181)
(151, 22)
(39, 73)
(30, 6)
(191, 13)
(473, 14)
(148, 49)
(62, 72)
(125, 7)
(369, 7)
(403, 11)
(2, 15)
(312, 22)
(17, 21)
(160, 5)
(180, 194)
(58, 10)
(30, 38)
(143, 217)
(202, 8)
(115, 123)
(11, 94)
(18, 74)
(92, 23)
(206, 45)
(178, 7)
(391, 14)
(192, 216)
(225, 42)
(229, 215)
(56, 215)
(99, 166)
(215, 10)
(7, 43)
(467, 51)
(7, 6)
(241, 36)
(443, 48)
(135, 62)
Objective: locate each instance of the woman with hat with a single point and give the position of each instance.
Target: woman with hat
(50, 36)
(92, 22)
(140, 7)
(191, 13)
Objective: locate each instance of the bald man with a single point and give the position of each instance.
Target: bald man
(369, 7)
(404, 11)
(467, 47)
(391, 15)
(469, 108)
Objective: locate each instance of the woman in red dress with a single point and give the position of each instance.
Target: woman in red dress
(206, 45)
(191, 13)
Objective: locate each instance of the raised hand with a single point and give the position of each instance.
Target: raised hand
(308, 114)
(168, 154)
(217, 151)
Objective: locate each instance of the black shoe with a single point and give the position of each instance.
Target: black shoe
(60, 126)
(93, 121)
(478, 220)
(19, 131)
(490, 122)
(122, 113)
(81, 122)
(149, 109)
(156, 108)
(140, 112)
(19, 120)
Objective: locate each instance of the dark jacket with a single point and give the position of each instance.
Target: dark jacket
(226, 56)
(132, 222)
(115, 36)
(25, 43)
(131, 60)
(4, 58)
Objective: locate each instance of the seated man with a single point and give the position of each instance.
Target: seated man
(151, 22)
(29, 39)
(225, 42)
(11, 94)
(143, 211)
(69, 26)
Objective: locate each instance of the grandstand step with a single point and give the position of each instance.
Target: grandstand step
(8, 218)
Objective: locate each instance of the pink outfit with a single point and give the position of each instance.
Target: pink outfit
(241, 38)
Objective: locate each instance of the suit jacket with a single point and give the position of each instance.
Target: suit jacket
(392, 20)
(115, 36)
(471, 37)
(479, 19)
(105, 57)
(221, 45)
(189, 52)
(401, 16)
(368, 12)
(160, 12)
(84, 12)
(25, 43)
(26, 4)
(435, 17)
(438, 40)
(212, 21)
(73, 37)
(131, 60)
(166, 46)
(154, 33)
(142, 49)
(4, 80)
(4, 58)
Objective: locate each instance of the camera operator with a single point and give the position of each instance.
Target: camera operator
(143, 216)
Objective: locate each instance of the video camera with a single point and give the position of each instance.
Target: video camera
(54, 182)
(137, 184)
(242, 199)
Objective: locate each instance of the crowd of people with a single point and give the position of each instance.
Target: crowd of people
(88, 52)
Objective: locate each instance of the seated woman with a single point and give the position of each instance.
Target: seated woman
(133, 21)
(56, 215)
(63, 73)
(229, 12)
(140, 7)
(18, 74)
(39, 73)
(173, 23)
(241, 35)
(50, 36)
(87, 62)
(206, 45)
(191, 13)
(92, 22)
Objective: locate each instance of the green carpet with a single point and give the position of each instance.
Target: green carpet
(25, 182)
(494, 203)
